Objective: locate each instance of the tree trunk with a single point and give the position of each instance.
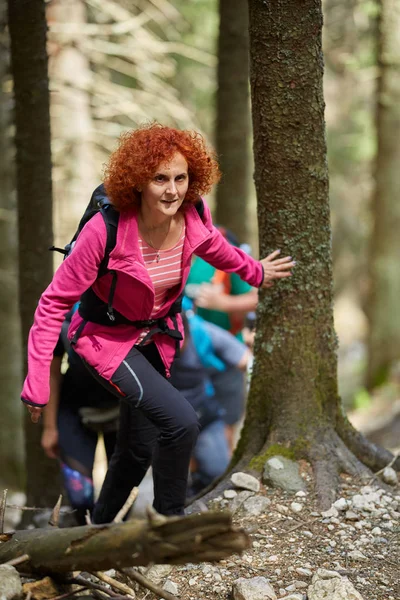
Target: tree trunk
(11, 442)
(205, 537)
(71, 122)
(383, 308)
(294, 399)
(233, 117)
(27, 27)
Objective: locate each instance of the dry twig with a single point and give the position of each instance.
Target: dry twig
(18, 561)
(146, 583)
(55, 515)
(3, 510)
(118, 585)
(127, 506)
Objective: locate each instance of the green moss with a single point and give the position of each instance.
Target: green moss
(258, 461)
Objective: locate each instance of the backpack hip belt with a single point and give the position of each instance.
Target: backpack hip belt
(93, 309)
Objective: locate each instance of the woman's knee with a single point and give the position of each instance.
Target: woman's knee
(188, 426)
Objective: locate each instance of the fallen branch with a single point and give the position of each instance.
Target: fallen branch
(195, 538)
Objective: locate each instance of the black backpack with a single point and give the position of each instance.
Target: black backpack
(99, 202)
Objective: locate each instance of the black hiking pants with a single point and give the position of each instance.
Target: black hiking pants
(157, 427)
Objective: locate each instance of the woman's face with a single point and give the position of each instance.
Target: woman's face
(166, 191)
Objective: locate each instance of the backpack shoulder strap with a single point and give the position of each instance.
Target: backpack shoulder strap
(200, 207)
(111, 218)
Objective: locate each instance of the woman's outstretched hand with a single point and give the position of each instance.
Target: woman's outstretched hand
(276, 268)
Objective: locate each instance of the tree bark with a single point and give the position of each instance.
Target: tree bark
(294, 400)
(27, 26)
(11, 442)
(205, 537)
(383, 307)
(233, 117)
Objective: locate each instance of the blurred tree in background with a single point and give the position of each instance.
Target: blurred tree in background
(384, 258)
(233, 118)
(11, 441)
(27, 25)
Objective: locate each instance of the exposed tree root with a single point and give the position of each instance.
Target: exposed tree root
(370, 454)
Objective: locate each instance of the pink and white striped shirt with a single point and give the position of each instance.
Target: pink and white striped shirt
(167, 272)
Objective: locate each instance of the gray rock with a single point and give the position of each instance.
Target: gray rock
(334, 588)
(295, 596)
(256, 588)
(239, 500)
(245, 481)
(171, 587)
(283, 473)
(327, 574)
(10, 583)
(341, 504)
(157, 573)
(331, 512)
(389, 476)
(304, 572)
(357, 555)
(352, 516)
(296, 507)
(256, 505)
(229, 494)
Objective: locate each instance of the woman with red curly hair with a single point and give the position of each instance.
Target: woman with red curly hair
(128, 328)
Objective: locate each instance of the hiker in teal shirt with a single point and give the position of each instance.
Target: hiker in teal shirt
(223, 299)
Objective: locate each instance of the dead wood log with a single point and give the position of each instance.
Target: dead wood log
(195, 538)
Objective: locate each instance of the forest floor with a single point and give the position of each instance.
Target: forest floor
(360, 541)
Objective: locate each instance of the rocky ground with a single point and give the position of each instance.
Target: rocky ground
(350, 552)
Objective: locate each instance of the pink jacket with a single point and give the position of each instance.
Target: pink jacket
(105, 347)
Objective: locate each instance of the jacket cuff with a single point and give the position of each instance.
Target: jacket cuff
(263, 275)
(35, 404)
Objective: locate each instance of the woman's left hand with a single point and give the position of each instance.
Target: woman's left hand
(35, 413)
(276, 268)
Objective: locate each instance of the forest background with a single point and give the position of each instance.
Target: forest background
(113, 65)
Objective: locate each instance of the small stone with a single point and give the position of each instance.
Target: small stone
(273, 558)
(307, 533)
(376, 531)
(256, 588)
(256, 505)
(351, 516)
(327, 574)
(301, 494)
(334, 588)
(304, 572)
(296, 507)
(171, 587)
(230, 494)
(10, 583)
(245, 481)
(158, 572)
(357, 555)
(389, 476)
(193, 581)
(331, 512)
(238, 500)
(341, 504)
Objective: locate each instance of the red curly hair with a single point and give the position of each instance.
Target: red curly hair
(141, 151)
